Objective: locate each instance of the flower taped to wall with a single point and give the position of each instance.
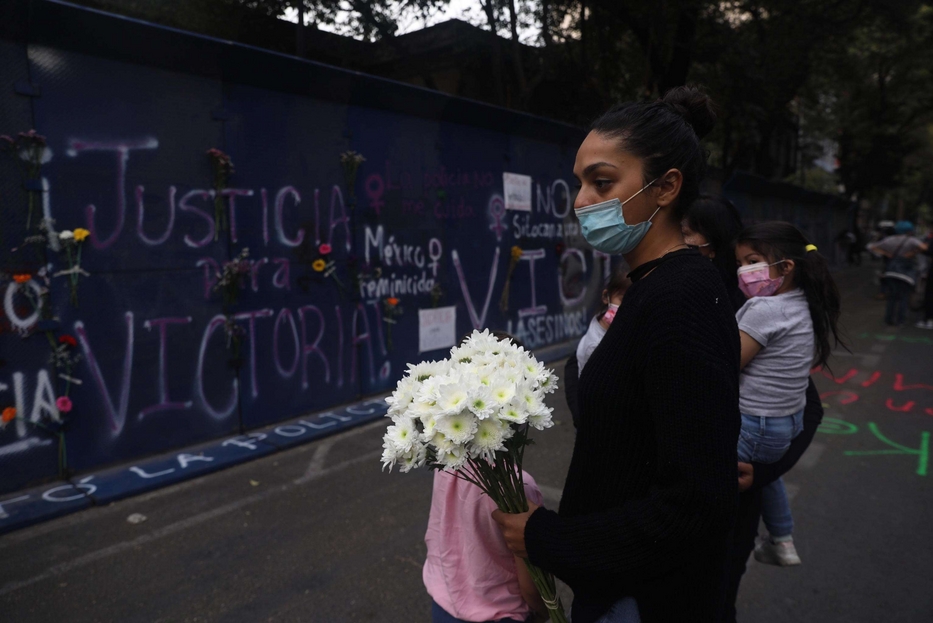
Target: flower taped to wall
(222, 169)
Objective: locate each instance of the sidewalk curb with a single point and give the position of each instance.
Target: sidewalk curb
(32, 506)
(55, 499)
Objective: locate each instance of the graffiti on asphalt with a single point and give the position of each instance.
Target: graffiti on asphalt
(917, 395)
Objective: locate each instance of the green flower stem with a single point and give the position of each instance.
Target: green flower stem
(68, 380)
(62, 453)
(219, 216)
(62, 459)
(72, 277)
(31, 196)
(546, 586)
(75, 276)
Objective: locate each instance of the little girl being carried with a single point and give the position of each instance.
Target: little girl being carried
(612, 297)
(786, 328)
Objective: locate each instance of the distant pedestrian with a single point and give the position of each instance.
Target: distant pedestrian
(927, 321)
(856, 244)
(787, 327)
(900, 274)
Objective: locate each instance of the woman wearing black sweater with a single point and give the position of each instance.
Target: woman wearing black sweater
(713, 224)
(650, 498)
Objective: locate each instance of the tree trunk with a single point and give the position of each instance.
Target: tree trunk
(682, 53)
(517, 63)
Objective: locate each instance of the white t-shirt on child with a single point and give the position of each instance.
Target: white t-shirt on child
(774, 383)
(588, 343)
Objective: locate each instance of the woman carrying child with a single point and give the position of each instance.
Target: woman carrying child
(788, 326)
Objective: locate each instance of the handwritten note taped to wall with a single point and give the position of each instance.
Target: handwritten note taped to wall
(517, 191)
(437, 328)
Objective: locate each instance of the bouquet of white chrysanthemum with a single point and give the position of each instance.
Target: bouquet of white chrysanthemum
(470, 414)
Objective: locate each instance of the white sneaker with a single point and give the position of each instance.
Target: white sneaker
(782, 554)
(925, 324)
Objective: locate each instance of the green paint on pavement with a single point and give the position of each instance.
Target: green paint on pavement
(890, 337)
(834, 426)
(923, 452)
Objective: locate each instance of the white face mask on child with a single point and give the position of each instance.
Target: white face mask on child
(610, 313)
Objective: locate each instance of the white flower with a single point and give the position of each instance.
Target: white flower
(463, 354)
(502, 389)
(458, 428)
(481, 402)
(422, 408)
(541, 418)
(390, 453)
(453, 458)
(512, 374)
(428, 422)
(402, 398)
(532, 399)
(403, 434)
(450, 398)
(416, 457)
(489, 438)
(515, 412)
(66, 235)
(532, 369)
(440, 443)
(426, 369)
(548, 383)
(483, 342)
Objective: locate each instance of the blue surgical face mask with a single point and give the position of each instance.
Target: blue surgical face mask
(604, 226)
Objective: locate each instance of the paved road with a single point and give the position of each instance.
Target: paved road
(320, 534)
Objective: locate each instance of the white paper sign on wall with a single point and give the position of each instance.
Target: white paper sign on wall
(517, 191)
(437, 328)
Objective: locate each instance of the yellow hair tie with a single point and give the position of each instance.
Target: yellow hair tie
(811, 247)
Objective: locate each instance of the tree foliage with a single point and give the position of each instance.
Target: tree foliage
(878, 90)
(791, 77)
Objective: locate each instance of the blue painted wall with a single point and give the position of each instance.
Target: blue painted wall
(129, 110)
(128, 139)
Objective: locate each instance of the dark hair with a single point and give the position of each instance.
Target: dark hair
(617, 283)
(718, 220)
(665, 134)
(778, 241)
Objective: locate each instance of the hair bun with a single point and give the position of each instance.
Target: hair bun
(695, 106)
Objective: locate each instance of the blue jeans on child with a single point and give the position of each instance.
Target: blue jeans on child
(766, 440)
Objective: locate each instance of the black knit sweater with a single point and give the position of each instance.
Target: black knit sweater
(651, 494)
